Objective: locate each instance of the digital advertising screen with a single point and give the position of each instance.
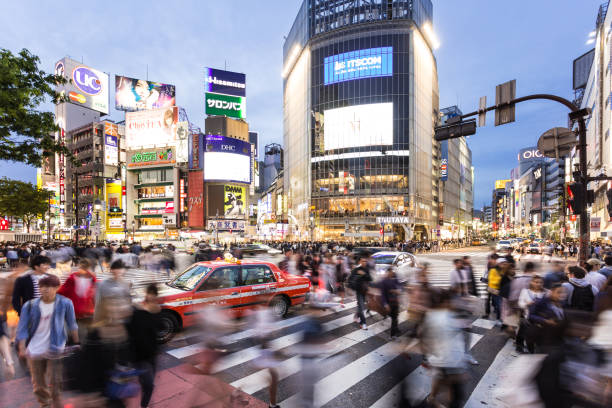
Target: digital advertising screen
(138, 94)
(227, 159)
(368, 63)
(88, 86)
(151, 128)
(225, 105)
(224, 82)
(358, 125)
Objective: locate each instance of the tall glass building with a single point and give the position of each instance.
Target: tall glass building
(360, 105)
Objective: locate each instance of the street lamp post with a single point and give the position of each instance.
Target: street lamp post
(48, 218)
(133, 231)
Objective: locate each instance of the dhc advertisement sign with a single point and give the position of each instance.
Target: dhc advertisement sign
(368, 63)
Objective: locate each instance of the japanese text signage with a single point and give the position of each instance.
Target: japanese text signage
(225, 105)
(368, 63)
(224, 82)
(152, 157)
(444, 160)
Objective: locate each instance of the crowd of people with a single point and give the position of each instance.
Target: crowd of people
(89, 336)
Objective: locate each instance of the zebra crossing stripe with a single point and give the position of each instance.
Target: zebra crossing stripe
(257, 381)
(192, 349)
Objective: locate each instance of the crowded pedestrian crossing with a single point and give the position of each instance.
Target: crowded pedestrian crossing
(357, 368)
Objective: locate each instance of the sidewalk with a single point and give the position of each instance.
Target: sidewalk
(180, 386)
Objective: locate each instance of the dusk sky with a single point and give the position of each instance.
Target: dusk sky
(483, 43)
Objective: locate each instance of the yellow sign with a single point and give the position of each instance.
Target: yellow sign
(501, 183)
(114, 213)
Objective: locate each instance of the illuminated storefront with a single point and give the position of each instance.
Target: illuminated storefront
(360, 103)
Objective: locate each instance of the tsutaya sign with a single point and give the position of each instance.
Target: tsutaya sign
(394, 220)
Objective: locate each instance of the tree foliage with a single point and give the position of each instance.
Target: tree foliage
(23, 200)
(26, 133)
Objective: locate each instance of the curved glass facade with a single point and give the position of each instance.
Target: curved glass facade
(370, 100)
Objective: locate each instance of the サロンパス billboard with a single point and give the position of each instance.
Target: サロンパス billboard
(225, 105)
(151, 128)
(137, 94)
(87, 86)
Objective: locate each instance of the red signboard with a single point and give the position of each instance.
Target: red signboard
(4, 224)
(195, 199)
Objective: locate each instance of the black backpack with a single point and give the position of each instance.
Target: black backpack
(582, 298)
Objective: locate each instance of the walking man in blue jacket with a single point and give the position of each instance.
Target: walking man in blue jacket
(41, 336)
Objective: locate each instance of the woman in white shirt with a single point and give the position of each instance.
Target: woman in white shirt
(527, 297)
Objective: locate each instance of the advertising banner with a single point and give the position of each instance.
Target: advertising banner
(233, 201)
(368, 63)
(358, 125)
(346, 182)
(196, 151)
(111, 150)
(182, 143)
(225, 225)
(224, 82)
(225, 105)
(151, 157)
(114, 213)
(137, 94)
(501, 183)
(89, 87)
(227, 159)
(595, 224)
(151, 128)
(195, 199)
(444, 160)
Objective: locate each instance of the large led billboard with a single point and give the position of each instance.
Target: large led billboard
(151, 128)
(227, 159)
(368, 63)
(225, 105)
(224, 82)
(88, 86)
(358, 125)
(137, 94)
(234, 201)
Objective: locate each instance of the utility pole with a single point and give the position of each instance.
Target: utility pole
(505, 107)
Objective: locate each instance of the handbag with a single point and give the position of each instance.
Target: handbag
(123, 383)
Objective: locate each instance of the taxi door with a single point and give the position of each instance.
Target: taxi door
(259, 285)
(221, 288)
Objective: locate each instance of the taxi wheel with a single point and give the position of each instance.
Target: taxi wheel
(279, 306)
(168, 326)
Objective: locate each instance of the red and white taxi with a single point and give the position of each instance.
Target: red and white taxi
(229, 284)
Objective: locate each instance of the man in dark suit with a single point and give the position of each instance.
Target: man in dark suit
(26, 286)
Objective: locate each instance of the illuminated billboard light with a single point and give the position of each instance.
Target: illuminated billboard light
(368, 63)
(227, 167)
(359, 125)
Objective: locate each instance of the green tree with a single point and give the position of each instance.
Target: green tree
(26, 132)
(23, 200)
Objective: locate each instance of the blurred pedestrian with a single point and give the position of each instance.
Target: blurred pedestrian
(143, 328)
(593, 277)
(390, 289)
(358, 281)
(527, 297)
(27, 286)
(548, 319)
(113, 287)
(80, 288)
(580, 294)
(41, 337)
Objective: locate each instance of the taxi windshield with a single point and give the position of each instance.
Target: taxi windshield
(384, 259)
(190, 278)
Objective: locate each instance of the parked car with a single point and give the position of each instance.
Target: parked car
(230, 284)
(534, 248)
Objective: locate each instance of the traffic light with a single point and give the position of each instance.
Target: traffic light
(456, 129)
(609, 205)
(576, 198)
